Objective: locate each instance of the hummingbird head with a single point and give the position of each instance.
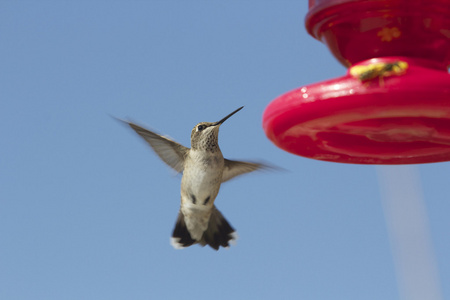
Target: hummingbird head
(205, 135)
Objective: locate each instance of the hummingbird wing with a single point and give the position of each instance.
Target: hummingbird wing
(234, 168)
(169, 151)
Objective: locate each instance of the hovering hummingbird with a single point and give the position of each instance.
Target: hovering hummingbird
(204, 169)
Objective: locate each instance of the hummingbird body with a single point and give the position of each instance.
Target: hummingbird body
(200, 185)
(204, 169)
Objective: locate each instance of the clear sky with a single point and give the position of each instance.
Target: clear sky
(87, 209)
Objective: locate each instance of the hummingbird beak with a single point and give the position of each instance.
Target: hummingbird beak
(224, 119)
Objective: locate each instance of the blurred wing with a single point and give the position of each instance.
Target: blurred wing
(169, 151)
(234, 168)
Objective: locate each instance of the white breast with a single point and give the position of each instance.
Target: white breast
(202, 175)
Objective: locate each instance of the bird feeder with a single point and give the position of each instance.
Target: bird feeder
(392, 106)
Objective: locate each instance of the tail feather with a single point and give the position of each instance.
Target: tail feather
(181, 237)
(219, 232)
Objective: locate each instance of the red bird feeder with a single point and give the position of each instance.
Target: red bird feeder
(392, 106)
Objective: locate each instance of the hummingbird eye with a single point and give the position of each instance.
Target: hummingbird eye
(201, 127)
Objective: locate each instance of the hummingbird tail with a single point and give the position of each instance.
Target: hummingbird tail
(219, 232)
(181, 237)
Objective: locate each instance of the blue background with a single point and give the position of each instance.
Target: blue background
(86, 208)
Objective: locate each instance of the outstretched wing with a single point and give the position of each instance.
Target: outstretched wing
(234, 168)
(169, 151)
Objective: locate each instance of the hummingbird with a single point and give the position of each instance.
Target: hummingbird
(204, 170)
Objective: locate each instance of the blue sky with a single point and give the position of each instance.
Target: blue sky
(86, 208)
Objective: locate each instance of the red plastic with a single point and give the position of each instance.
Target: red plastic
(357, 30)
(389, 118)
(400, 120)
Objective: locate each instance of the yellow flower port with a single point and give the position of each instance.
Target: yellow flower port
(379, 70)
